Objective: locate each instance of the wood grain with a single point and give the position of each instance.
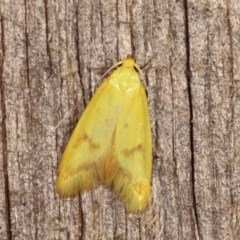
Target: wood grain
(52, 57)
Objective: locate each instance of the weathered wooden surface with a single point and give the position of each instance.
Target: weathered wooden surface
(52, 56)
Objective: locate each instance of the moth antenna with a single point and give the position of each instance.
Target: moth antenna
(111, 68)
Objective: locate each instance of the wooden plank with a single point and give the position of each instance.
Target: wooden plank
(5, 217)
(215, 105)
(54, 54)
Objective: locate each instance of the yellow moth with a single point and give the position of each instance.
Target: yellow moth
(112, 142)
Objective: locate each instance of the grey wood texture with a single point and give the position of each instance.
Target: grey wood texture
(52, 57)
